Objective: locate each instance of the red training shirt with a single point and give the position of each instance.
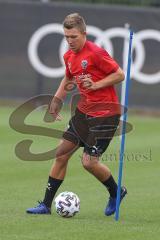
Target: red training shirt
(95, 62)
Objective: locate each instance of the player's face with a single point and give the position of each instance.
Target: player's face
(75, 38)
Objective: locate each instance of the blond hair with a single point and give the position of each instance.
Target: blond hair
(74, 20)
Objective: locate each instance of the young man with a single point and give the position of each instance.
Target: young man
(96, 117)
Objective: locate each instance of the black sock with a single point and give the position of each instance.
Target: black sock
(51, 189)
(111, 186)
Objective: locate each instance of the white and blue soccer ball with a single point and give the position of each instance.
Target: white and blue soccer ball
(67, 204)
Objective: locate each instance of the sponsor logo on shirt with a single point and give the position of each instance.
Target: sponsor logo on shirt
(83, 76)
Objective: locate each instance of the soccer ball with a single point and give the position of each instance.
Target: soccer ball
(67, 204)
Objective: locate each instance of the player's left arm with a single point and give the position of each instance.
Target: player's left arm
(111, 79)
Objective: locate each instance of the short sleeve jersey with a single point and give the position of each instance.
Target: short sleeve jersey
(96, 63)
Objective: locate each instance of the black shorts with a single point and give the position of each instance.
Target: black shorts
(92, 133)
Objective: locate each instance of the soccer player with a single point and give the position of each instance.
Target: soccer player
(96, 117)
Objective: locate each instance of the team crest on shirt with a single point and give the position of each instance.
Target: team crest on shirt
(84, 64)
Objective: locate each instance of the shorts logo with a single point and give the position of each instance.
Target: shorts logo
(84, 64)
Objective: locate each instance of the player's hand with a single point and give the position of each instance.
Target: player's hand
(56, 116)
(54, 109)
(87, 83)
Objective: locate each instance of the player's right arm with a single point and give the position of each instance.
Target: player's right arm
(57, 101)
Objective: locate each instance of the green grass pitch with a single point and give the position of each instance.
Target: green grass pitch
(22, 183)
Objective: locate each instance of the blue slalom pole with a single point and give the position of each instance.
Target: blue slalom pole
(124, 119)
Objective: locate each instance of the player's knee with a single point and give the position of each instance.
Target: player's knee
(61, 158)
(61, 161)
(61, 152)
(89, 162)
